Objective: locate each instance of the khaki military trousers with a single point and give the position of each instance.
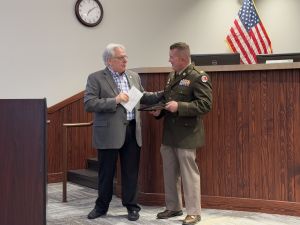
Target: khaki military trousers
(179, 165)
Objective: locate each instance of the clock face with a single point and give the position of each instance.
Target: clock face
(89, 12)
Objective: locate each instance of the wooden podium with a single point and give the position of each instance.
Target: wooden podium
(251, 159)
(22, 166)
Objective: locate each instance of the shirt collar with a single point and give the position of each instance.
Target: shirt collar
(116, 73)
(180, 72)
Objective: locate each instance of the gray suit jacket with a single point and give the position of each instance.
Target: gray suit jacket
(110, 120)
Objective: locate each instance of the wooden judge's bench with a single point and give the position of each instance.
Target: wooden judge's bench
(251, 160)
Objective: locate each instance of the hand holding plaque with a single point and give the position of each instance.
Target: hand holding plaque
(154, 107)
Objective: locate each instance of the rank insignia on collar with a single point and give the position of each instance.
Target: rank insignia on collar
(204, 78)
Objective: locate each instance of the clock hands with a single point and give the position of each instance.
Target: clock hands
(91, 10)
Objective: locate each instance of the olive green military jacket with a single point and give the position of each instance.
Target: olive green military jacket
(192, 90)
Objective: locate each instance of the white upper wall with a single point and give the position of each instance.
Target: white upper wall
(46, 52)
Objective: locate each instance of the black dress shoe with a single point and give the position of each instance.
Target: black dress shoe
(95, 214)
(133, 215)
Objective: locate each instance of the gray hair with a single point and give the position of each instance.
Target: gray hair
(109, 52)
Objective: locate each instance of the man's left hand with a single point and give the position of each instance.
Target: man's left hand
(172, 106)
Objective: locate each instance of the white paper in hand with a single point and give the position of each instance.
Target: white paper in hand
(134, 97)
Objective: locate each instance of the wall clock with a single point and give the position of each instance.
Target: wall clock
(89, 12)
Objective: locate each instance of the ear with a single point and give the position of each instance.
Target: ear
(109, 61)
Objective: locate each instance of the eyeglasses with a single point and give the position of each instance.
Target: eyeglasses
(121, 58)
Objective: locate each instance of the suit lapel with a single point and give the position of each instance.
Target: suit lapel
(129, 78)
(110, 81)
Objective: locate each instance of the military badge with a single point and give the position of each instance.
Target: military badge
(204, 78)
(185, 82)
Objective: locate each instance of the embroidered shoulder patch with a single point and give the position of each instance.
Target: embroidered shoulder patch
(204, 78)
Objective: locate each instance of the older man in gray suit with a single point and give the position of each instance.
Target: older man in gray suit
(116, 131)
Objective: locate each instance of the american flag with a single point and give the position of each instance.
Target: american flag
(247, 35)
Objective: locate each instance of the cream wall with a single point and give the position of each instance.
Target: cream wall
(46, 52)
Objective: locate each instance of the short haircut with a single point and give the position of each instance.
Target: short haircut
(182, 47)
(109, 52)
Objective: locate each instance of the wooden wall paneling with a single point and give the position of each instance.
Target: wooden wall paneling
(255, 135)
(204, 160)
(154, 141)
(147, 146)
(55, 147)
(265, 162)
(151, 179)
(283, 136)
(286, 145)
(272, 135)
(242, 160)
(79, 139)
(223, 155)
(74, 151)
(220, 153)
(234, 151)
(217, 109)
(276, 137)
(296, 133)
(230, 134)
(86, 133)
(268, 140)
(290, 118)
(253, 205)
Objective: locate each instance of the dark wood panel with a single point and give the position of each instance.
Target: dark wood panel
(255, 135)
(23, 167)
(151, 162)
(79, 139)
(254, 205)
(296, 134)
(290, 153)
(242, 127)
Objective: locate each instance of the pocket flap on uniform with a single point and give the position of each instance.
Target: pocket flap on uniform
(100, 123)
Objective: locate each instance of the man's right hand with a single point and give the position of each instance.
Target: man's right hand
(122, 97)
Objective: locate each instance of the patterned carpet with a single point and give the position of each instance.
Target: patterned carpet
(81, 201)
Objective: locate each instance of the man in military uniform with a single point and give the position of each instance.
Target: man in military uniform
(188, 96)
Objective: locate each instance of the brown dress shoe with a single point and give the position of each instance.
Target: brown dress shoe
(168, 214)
(191, 219)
